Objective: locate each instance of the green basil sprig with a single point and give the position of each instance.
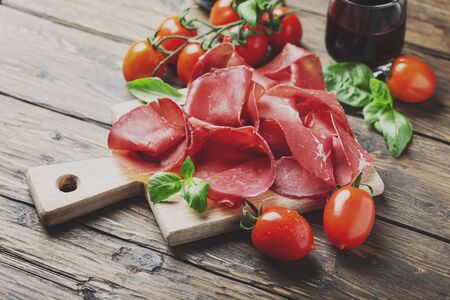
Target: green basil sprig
(350, 82)
(162, 185)
(151, 88)
(354, 84)
(394, 126)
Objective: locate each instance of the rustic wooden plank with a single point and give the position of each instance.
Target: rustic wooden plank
(20, 282)
(108, 266)
(28, 141)
(95, 81)
(427, 25)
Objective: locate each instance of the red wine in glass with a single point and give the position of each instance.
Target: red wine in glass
(366, 31)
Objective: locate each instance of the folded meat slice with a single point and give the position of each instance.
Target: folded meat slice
(357, 158)
(150, 138)
(293, 180)
(222, 56)
(350, 158)
(296, 66)
(311, 148)
(224, 97)
(312, 100)
(236, 162)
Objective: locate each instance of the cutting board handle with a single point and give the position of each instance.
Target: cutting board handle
(65, 191)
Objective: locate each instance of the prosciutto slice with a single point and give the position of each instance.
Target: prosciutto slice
(222, 98)
(150, 138)
(296, 66)
(237, 162)
(222, 56)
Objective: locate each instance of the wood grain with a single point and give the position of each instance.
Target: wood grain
(107, 266)
(21, 280)
(95, 81)
(37, 136)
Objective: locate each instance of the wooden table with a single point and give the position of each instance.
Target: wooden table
(60, 73)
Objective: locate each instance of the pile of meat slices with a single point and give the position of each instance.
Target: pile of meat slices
(248, 130)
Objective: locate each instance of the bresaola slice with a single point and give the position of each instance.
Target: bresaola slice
(221, 98)
(236, 120)
(150, 138)
(237, 162)
(311, 148)
(222, 56)
(293, 180)
(296, 66)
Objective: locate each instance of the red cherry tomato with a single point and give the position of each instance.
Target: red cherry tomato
(282, 234)
(222, 13)
(172, 26)
(291, 29)
(348, 217)
(254, 51)
(187, 60)
(411, 80)
(141, 60)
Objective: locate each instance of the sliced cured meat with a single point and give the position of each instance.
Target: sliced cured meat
(224, 97)
(357, 158)
(296, 66)
(293, 180)
(311, 148)
(312, 100)
(150, 138)
(349, 157)
(222, 56)
(236, 162)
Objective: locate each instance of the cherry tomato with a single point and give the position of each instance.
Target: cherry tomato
(348, 217)
(282, 234)
(172, 26)
(187, 60)
(222, 13)
(140, 61)
(411, 80)
(291, 29)
(254, 51)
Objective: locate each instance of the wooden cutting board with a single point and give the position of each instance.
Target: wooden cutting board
(65, 191)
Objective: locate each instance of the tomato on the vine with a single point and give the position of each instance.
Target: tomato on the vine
(280, 233)
(222, 13)
(187, 60)
(141, 60)
(291, 29)
(255, 49)
(172, 26)
(411, 79)
(348, 217)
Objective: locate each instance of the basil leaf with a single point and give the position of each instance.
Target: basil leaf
(247, 11)
(162, 185)
(350, 82)
(187, 168)
(195, 192)
(396, 130)
(151, 88)
(372, 111)
(380, 92)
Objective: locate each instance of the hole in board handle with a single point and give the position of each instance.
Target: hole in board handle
(67, 183)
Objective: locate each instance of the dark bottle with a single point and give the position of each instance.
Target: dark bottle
(367, 31)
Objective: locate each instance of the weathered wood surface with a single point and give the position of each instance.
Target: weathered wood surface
(427, 24)
(59, 137)
(76, 75)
